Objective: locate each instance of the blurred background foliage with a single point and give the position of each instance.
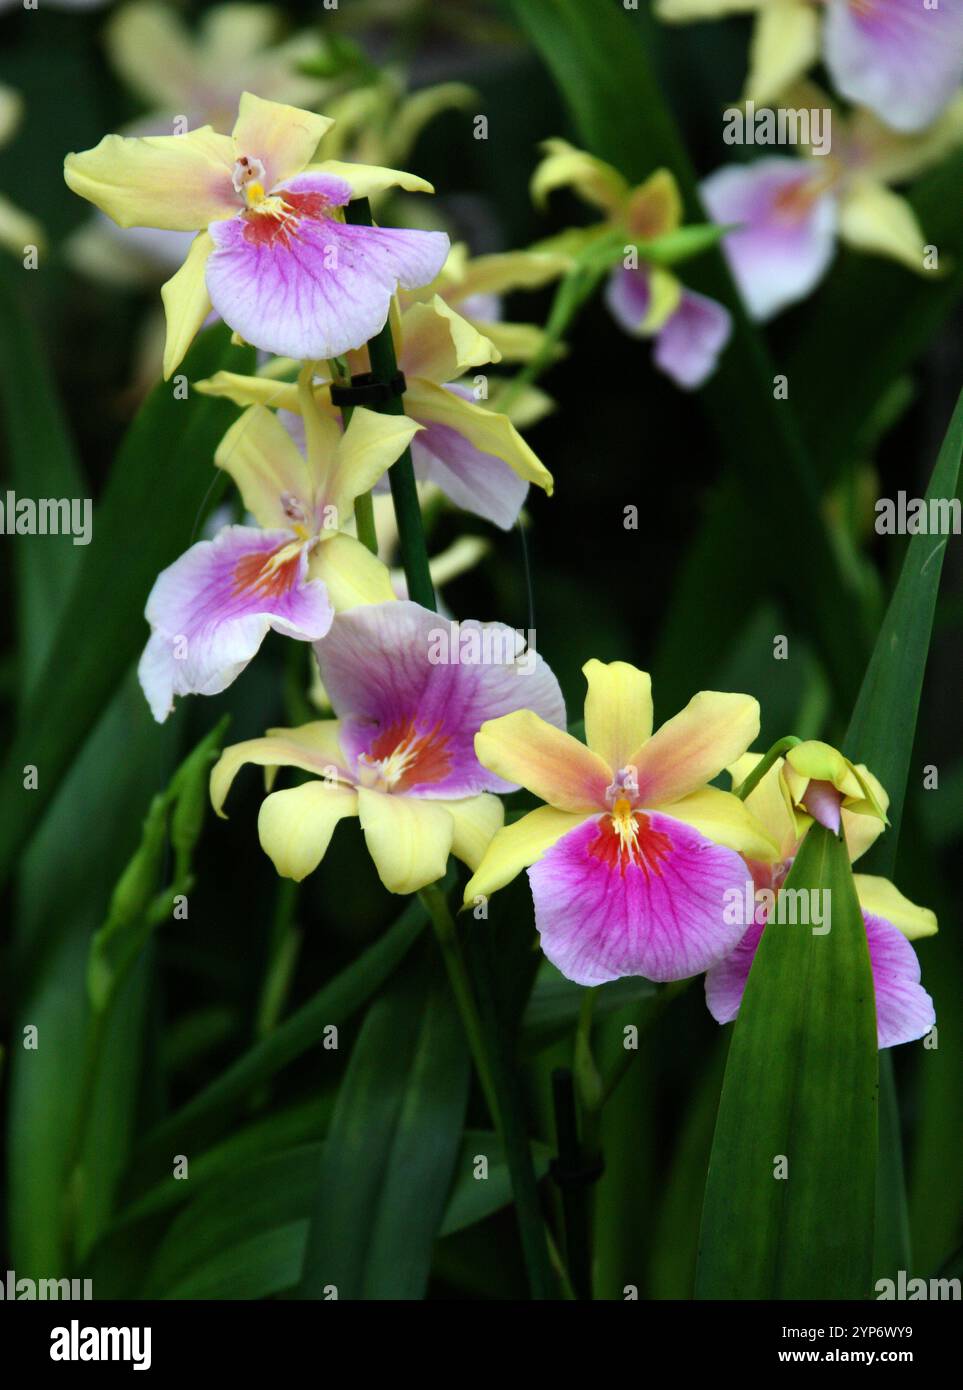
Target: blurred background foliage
(739, 500)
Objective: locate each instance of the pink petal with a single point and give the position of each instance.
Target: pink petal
(902, 60)
(475, 481)
(661, 914)
(380, 667)
(312, 287)
(627, 298)
(687, 347)
(210, 611)
(824, 804)
(788, 232)
(904, 1010)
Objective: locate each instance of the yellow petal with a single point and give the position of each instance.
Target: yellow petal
(439, 344)
(881, 898)
(477, 819)
(459, 557)
(892, 157)
(295, 826)
(665, 295)
(521, 747)
(785, 44)
(820, 762)
(408, 837)
(516, 847)
(514, 342)
(486, 429)
(251, 390)
(689, 750)
(618, 710)
(770, 802)
(368, 179)
(17, 229)
(351, 574)
(727, 821)
(232, 34)
(370, 445)
(177, 182)
(564, 166)
(655, 207)
(507, 271)
(11, 112)
(265, 463)
(283, 137)
(874, 219)
(313, 747)
(862, 829)
(186, 303)
(152, 51)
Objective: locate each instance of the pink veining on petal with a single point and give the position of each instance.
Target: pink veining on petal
(609, 904)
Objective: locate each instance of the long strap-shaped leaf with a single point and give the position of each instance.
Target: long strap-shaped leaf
(391, 1151)
(881, 735)
(142, 523)
(790, 1193)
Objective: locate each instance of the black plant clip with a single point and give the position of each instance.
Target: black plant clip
(368, 389)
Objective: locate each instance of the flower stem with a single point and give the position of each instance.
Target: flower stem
(446, 932)
(401, 474)
(764, 764)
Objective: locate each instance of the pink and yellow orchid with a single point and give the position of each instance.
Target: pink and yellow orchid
(790, 212)
(900, 58)
(475, 455)
(631, 859)
(816, 783)
(210, 611)
(410, 690)
(273, 255)
(688, 330)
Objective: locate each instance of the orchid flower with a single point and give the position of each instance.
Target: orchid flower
(815, 782)
(631, 859)
(475, 455)
(272, 256)
(688, 330)
(197, 76)
(902, 59)
(792, 211)
(211, 609)
(410, 690)
(17, 229)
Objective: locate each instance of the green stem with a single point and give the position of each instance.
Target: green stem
(765, 763)
(401, 474)
(446, 932)
(365, 522)
(571, 294)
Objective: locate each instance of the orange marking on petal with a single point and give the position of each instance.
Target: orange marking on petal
(407, 758)
(266, 574)
(626, 837)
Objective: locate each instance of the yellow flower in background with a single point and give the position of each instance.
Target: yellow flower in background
(18, 229)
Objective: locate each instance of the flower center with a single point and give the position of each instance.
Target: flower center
(401, 757)
(248, 179)
(625, 837)
(625, 786)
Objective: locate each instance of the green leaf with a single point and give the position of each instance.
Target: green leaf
(554, 1004)
(800, 1083)
(883, 725)
(473, 1199)
(42, 463)
(881, 735)
(392, 1146)
(202, 1117)
(143, 522)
